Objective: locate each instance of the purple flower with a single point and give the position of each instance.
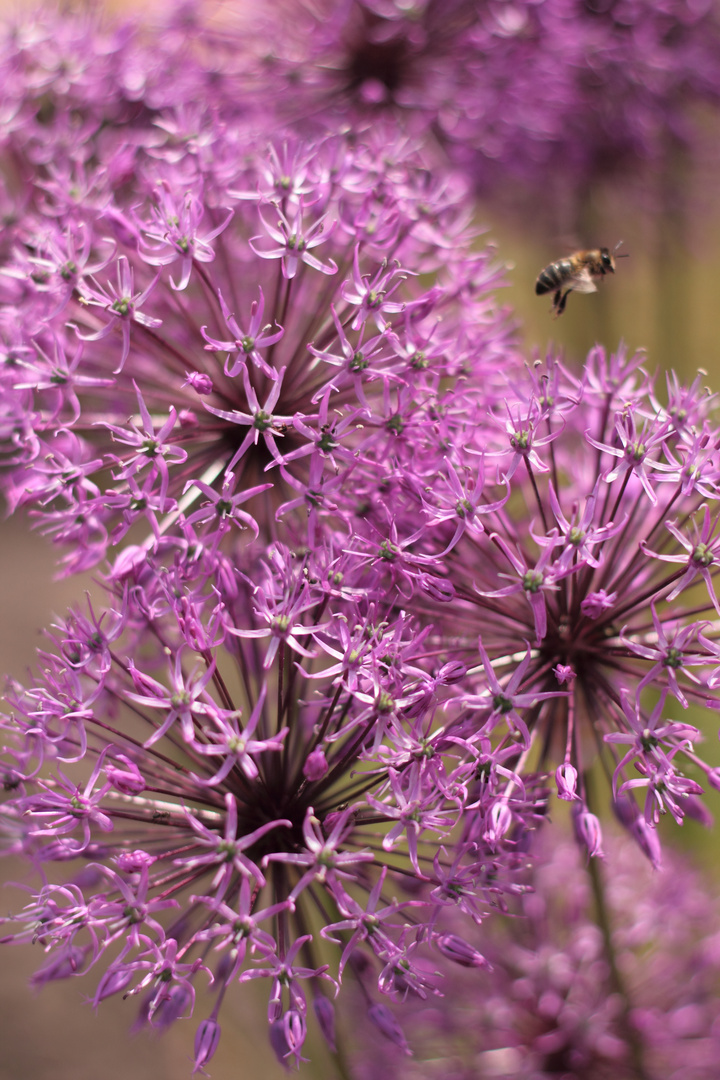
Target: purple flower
(232, 788)
(553, 1001)
(602, 584)
(121, 303)
(614, 81)
(253, 380)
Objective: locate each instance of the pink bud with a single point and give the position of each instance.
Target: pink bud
(199, 381)
(325, 1014)
(459, 951)
(451, 672)
(438, 588)
(595, 603)
(564, 673)
(500, 820)
(566, 779)
(648, 840)
(373, 91)
(187, 418)
(287, 1036)
(111, 983)
(207, 1038)
(66, 962)
(129, 780)
(386, 1023)
(134, 861)
(587, 830)
(129, 560)
(315, 766)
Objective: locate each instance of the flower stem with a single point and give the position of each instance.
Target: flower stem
(602, 918)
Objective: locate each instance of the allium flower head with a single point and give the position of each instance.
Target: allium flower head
(556, 93)
(245, 776)
(234, 338)
(585, 584)
(553, 1005)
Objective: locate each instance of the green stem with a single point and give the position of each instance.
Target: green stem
(602, 918)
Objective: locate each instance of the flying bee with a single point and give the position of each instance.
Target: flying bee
(575, 273)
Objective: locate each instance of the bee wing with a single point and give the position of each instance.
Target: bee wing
(583, 282)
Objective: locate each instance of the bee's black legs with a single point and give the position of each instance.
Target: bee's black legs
(559, 301)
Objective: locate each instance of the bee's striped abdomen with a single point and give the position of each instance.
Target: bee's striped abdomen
(553, 276)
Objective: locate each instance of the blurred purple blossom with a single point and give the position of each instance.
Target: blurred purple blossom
(553, 1003)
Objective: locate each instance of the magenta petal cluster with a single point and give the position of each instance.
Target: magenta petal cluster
(295, 380)
(551, 1005)
(585, 605)
(556, 94)
(240, 784)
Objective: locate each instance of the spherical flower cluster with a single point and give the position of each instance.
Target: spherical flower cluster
(555, 1005)
(555, 93)
(575, 525)
(244, 771)
(238, 336)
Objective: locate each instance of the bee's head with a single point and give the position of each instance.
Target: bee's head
(608, 263)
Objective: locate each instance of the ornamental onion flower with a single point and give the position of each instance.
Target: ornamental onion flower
(553, 1004)
(575, 525)
(229, 776)
(556, 94)
(253, 338)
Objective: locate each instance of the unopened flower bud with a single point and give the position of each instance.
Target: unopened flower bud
(438, 588)
(325, 1014)
(187, 418)
(132, 862)
(129, 781)
(315, 766)
(199, 381)
(460, 952)
(587, 829)
(500, 820)
(452, 672)
(386, 1023)
(112, 982)
(564, 673)
(648, 840)
(207, 1038)
(595, 603)
(566, 779)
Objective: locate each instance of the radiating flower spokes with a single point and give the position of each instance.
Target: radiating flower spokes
(150, 448)
(174, 233)
(185, 700)
(670, 652)
(409, 805)
(534, 581)
(228, 851)
(325, 861)
(370, 294)
(63, 807)
(235, 742)
(653, 743)
(702, 551)
(634, 451)
(260, 420)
